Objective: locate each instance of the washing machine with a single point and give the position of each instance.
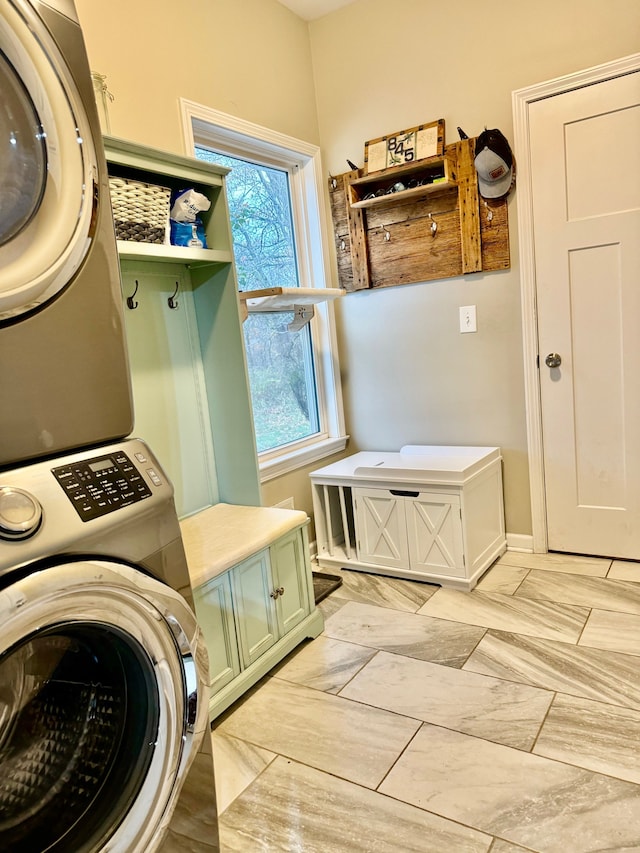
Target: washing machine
(65, 376)
(104, 730)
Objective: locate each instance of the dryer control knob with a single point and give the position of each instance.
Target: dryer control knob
(20, 513)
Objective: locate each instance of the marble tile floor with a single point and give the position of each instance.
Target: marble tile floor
(429, 720)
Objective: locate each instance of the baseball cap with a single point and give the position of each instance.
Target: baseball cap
(494, 164)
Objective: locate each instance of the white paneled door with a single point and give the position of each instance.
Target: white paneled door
(585, 177)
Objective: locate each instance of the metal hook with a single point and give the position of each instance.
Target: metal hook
(130, 303)
(434, 225)
(334, 182)
(343, 246)
(387, 234)
(172, 301)
(489, 212)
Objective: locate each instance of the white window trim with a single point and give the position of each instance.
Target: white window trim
(307, 187)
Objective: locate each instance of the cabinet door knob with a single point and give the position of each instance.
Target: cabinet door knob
(277, 592)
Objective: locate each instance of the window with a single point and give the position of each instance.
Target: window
(275, 200)
(280, 362)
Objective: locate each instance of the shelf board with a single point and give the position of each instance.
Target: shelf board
(387, 177)
(130, 250)
(403, 195)
(398, 171)
(152, 161)
(287, 298)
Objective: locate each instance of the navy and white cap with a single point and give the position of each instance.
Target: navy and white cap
(494, 164)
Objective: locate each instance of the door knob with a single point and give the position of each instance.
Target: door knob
(553, 360)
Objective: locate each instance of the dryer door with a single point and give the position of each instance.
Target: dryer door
(102, 708)
(48, 170)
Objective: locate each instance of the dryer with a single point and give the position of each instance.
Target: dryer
(65, 376)
(104, 729)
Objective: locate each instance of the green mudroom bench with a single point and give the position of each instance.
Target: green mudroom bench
(253, 590)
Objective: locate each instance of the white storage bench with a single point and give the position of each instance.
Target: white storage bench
(430, 513)
(253, 591)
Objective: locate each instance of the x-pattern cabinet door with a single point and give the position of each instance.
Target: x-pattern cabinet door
(410, 530)
(381, 528)
(434, 530)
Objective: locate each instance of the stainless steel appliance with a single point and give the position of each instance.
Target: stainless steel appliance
(104, 740)
(104, 730)
(64, 381)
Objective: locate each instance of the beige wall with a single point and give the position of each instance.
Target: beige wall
(409, 376)
(249, 58)
(371, 68)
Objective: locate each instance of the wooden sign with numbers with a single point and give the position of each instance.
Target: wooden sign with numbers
(404, 146)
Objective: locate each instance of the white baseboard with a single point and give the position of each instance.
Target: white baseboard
(520, 542)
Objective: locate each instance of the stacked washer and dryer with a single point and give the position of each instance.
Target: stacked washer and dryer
(103, 670)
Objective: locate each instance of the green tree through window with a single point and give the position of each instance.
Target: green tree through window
(280, 362)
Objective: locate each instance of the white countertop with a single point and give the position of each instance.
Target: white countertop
(224, 535)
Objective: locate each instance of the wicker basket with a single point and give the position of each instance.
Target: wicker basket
(140, 211)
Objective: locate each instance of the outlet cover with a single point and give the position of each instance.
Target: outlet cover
(468, 319)
(287, 503)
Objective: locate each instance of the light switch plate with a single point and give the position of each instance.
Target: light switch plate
(468, 319)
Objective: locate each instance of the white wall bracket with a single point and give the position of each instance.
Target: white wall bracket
(302, 314)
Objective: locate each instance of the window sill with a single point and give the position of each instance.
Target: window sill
(285, 463)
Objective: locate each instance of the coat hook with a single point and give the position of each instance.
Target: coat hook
(489, 212)
(172, 301)
(434, 225)
(130, 303)
(387, 234)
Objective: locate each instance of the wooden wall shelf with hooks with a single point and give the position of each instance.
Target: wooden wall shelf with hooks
(418, 180)
(390, 238)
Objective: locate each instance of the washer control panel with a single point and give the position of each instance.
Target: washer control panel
(102, 485)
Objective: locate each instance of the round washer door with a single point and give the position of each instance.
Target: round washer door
(102, 708)
(48, 167)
